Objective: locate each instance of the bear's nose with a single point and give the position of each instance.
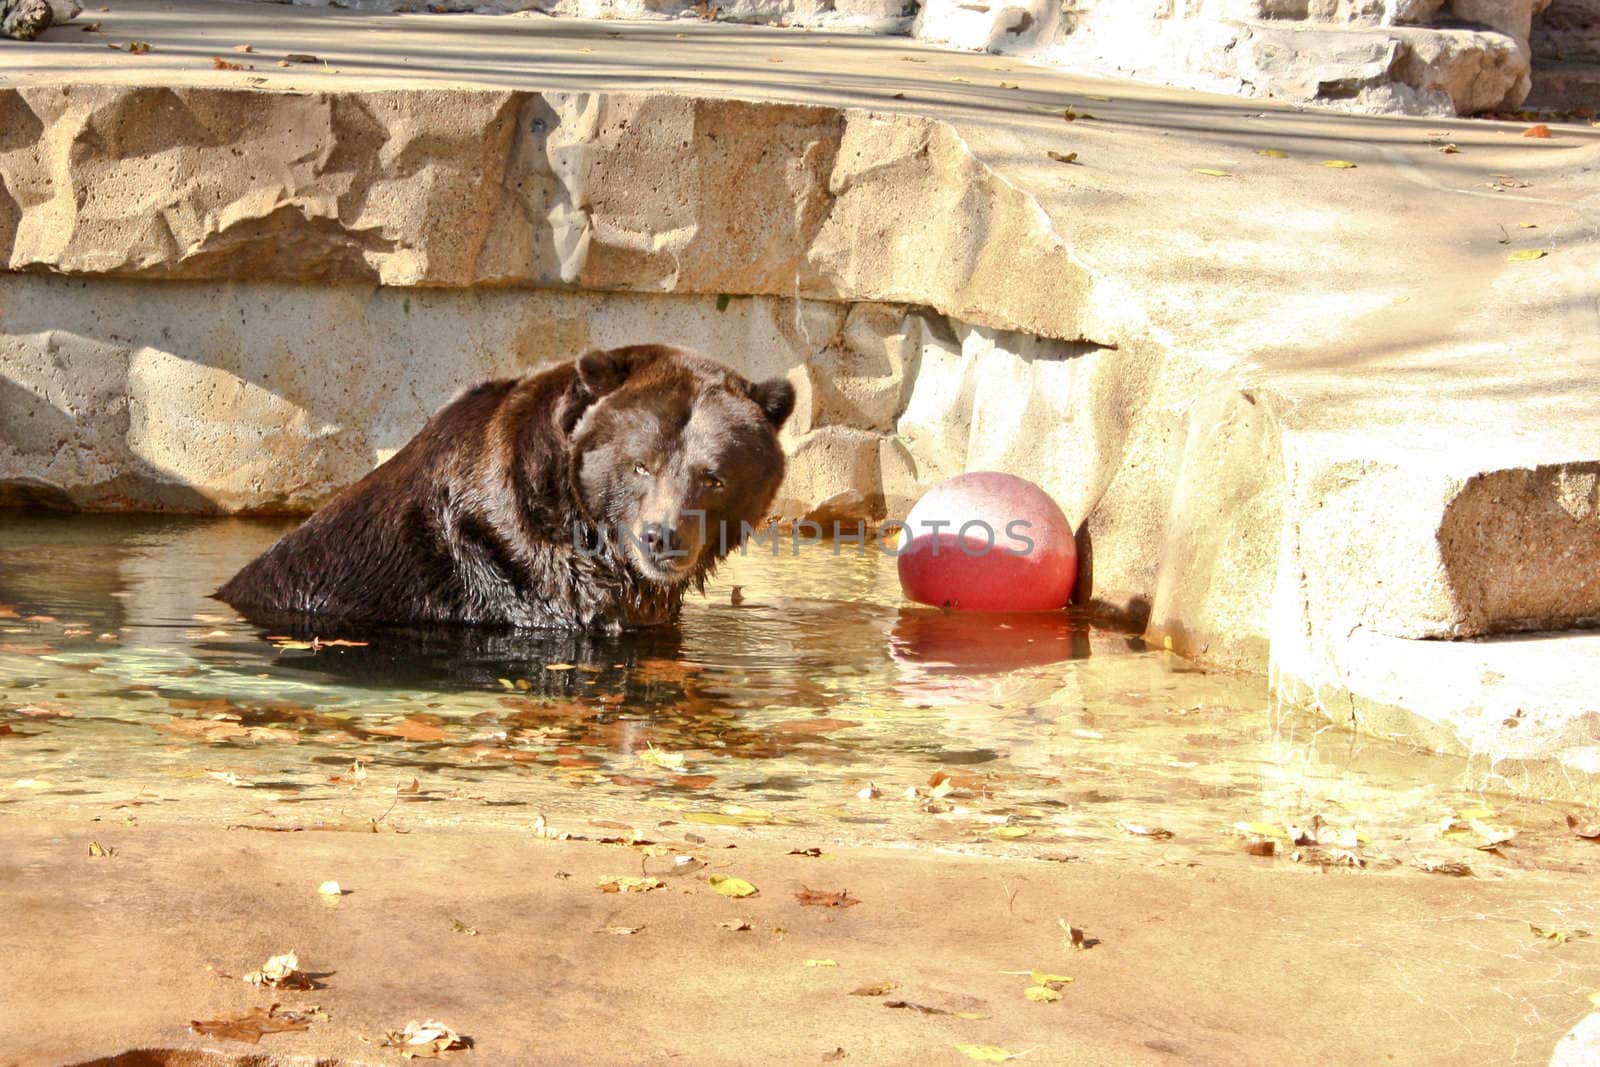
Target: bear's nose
(661, 541)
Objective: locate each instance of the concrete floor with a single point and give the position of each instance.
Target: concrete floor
(1285, 965)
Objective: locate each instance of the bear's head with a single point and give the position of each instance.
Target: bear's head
(673, 455)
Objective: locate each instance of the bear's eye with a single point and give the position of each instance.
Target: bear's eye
(710, 481)
(641, 470)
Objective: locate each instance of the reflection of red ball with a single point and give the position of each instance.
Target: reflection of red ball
(986, 541)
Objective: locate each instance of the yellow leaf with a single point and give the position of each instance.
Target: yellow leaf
(97, 849)
(730, 886)
(1212, 172)
(1528, 225)
(877, 989)
(1339, 164)
(986, 1053)
(1010, 833)
(1102, 99)
(1009, 85)
(330, 889)
(1063, 157)
(505, 683)
(559, 666)
(958, 78)
(1272, 153)
(671, 760)
(821, 963)
(1594, 998)
(971, 1015)
(1262, 829)
(1041, 994)
(1475, 813)
(730, 817)
(1045, 978)
(1527, 255)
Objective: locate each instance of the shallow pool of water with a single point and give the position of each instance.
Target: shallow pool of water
(800, 696)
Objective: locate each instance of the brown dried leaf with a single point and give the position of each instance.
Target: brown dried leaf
(250, 1025)
(817, 899)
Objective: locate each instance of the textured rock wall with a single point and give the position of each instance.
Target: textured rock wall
(1413, 56)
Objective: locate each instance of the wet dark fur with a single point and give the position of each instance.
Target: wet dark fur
(473, 520)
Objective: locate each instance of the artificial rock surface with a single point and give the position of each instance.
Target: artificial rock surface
(1288, 406)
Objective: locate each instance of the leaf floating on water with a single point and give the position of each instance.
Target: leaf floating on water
(249, 1025)
(1212, 172)
(1063, 157)
(731, 817)
(729, 886)
(1339, 164)
(814, 899)
(625, 884)
(1041, 994)
(986, 1053)
(1527, 255)
(659, 758)
(1272, 153)
(1158, 832)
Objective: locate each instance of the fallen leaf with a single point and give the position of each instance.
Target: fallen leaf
(876, 989)
(223, 64)
(243, 48)
(622, 931)
(1045, 978)
(330, 889)
(729, 886)
(812, 852)
(1272, 153)
(834, 1056)
(1589, 831)
(1041, 994)
(1557, 937)
(1527, 255)
(1539, 130)
(1213, 173)
(459, 927)
(1137, 830)
(657, 757)
(1449, 149)
(281, 972)
(1009, 85)
(1063, 157)
(736, 925)
(250, 1025)
(300, 57)
(986, 1053)
(1528, 225)
(425, 1040)
(1010, 833)
(97, 849)
(1102, 99)
(1445, 867)
(1339, 164)
(922, 1008)
(821, 963)
(625, 884)
(813, 898)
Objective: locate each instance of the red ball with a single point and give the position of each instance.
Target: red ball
(987, 541)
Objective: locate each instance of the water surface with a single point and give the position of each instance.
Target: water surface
(812, 703)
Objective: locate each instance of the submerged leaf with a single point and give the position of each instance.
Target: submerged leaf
(250, 1025)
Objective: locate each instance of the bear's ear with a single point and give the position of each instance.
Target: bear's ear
(776, 398)
(603, 370)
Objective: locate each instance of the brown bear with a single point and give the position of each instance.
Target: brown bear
(587, 496)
